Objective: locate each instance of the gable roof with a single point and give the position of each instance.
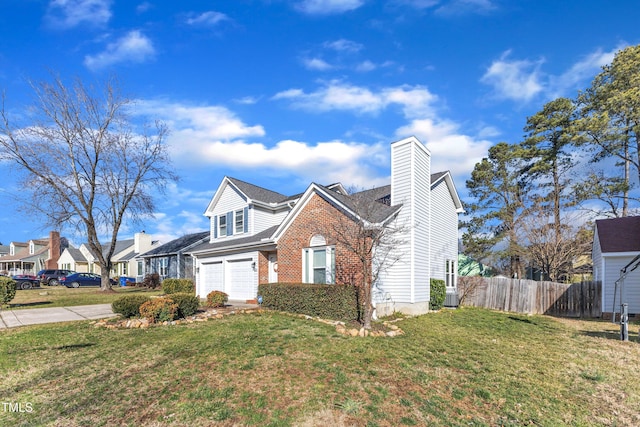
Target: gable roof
(619, 234)
(257, 193)
(451, 186)
(177, 245)
(262, 238)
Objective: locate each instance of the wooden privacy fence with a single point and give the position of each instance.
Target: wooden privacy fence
(532, 297)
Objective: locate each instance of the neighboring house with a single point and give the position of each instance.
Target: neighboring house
(34, 255)
(261, 236)
(171, 259)
(123, 259)
(616, 244)
(468, 266)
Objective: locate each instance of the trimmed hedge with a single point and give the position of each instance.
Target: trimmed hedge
(326, 301)
(438, 294)
(173, 286)
(7, 289)
(129, 305)
(188, 303)
(217, 299)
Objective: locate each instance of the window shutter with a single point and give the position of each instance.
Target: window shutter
(215, 227)
(229, 223)
(246, 219)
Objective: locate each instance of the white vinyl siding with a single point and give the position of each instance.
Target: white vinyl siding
(407, 281)
(611, 273)
(444, 230)
(265, 218)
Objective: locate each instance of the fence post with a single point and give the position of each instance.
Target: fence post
(624, 322)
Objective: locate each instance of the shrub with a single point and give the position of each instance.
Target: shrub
(327, 301)
(7, 289)
(129, 305)
(173, 286)
(188, 303)
(438, 294)
(217, 299)
(159, 310)
(151, 281)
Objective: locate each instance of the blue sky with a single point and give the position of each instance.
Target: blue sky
(284, 92)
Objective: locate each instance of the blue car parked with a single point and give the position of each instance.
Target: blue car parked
(76, 280)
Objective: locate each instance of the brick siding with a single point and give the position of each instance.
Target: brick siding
(318, 217)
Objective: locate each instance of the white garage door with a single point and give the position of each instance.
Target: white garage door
(212, 278)
(240, 285)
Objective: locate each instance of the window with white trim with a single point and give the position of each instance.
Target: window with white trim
(140, 268)
(32, 248)
(319, 262)
(164, 270)
(450, 273)
(222, 225)
(239, 221)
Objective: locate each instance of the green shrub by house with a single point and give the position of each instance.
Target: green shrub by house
(159, 310)
(438, 294)
(217, 299)
(326, 301)
(188, 303)
(129, 305)
(173, 286)
(7, 289)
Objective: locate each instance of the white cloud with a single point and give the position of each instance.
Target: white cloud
(327, 7)
(462, 7)
(316, 64)
(336, 95)
(198, 124)
(66, 14)
(581, 71)
(207, 19)
(366, 66)
(343, 45)
(518, 80)
(134, 47)
(450, 149)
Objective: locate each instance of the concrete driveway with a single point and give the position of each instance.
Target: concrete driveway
(36, 316)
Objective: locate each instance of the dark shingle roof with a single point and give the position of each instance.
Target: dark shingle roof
(258, 193)
(619, 234)
(177, 245)
(366, 204)
(232, 242)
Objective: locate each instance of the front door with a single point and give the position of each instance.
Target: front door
(273, 268)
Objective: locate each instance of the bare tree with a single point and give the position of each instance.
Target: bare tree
(551, 249)
(371, 235)
(82, 162)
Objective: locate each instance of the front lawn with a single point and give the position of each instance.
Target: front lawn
(61, 296)
(452, 368)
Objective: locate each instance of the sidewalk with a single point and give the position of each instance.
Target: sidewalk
(36, 316)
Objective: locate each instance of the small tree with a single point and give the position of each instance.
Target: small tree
(84, 163)
(369, 232)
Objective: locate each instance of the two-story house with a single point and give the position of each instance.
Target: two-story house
(262, 236)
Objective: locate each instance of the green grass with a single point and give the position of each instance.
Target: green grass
(61, 296)
(452, 368)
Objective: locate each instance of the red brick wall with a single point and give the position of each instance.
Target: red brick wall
(317, 217)
(263, 267)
